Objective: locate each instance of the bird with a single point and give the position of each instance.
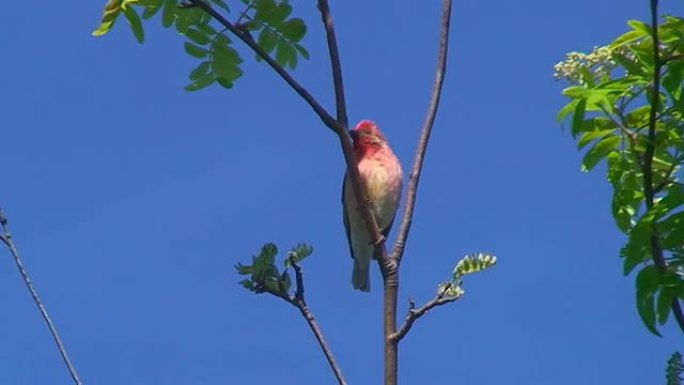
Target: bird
(381, 172)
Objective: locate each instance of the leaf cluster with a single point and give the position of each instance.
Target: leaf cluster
(675, 369)
(208, 40)
(264, 275)
(469, 264)
(609, 114)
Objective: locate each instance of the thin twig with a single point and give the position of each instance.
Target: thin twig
(6, 238)
(625, 131)
(649, 190)
(326, 17)
(414, 177)
(413, 314)
(247, 39)
(297, 300)
(300, 303)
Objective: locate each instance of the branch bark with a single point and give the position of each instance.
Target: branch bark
(414, 314)
(414, 177)
(297, 300)
(6, 238)
(649, 190)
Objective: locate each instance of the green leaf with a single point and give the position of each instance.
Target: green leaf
(111, 13)
(627, 38)
(134, 22)
(221, 4)
(665, 298)
(169, 13)
(286, 54)
(567, 109)
(675, 368)
(298, 253)
(590, 136)
(637, 249)
(302, 51)
(267, 41)
(646, 286)
(247, 284)
(293, 29)
(578, 118)
(151, 8)
(264, 10)
(225, 61)
(244, 269)
(197, 36)
(285, 282)
(670, 229)
(640, 26)
(226, 54)
(195, 51)
(202, 82)
(200, 71)
(600, 150)
(473, 263)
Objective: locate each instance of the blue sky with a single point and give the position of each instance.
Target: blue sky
(131, 200)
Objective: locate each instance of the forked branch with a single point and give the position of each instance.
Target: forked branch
(413, 314)
(414, 177)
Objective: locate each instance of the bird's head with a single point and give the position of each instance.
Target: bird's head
(367, 137)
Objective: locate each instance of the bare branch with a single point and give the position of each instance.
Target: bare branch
(413, 314)
(6, 238)
(414, 177)
(247, 39)
(297, 300)
(391, 276)
(649, 189)
(326, 16)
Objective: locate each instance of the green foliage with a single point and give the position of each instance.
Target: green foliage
(675, 369)
(276, 31)
(472, 263)
(263, 273)
(609, 113)
(206, 39)
(469, 264)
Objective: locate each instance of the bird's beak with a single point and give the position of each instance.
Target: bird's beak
(354, 134)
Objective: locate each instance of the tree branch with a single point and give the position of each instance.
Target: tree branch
(360, 190)
(414, 177)
(391, 276)
(413, 314)
(649, 190)
(297, 300)
(6, 238)
(326, 16)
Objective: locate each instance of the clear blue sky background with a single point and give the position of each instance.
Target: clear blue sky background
(131, 200)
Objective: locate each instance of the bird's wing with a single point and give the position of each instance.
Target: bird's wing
(345, 216)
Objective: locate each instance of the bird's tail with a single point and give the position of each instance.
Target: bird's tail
(361, 275)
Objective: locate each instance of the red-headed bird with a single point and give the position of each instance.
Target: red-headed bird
(381, 172)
